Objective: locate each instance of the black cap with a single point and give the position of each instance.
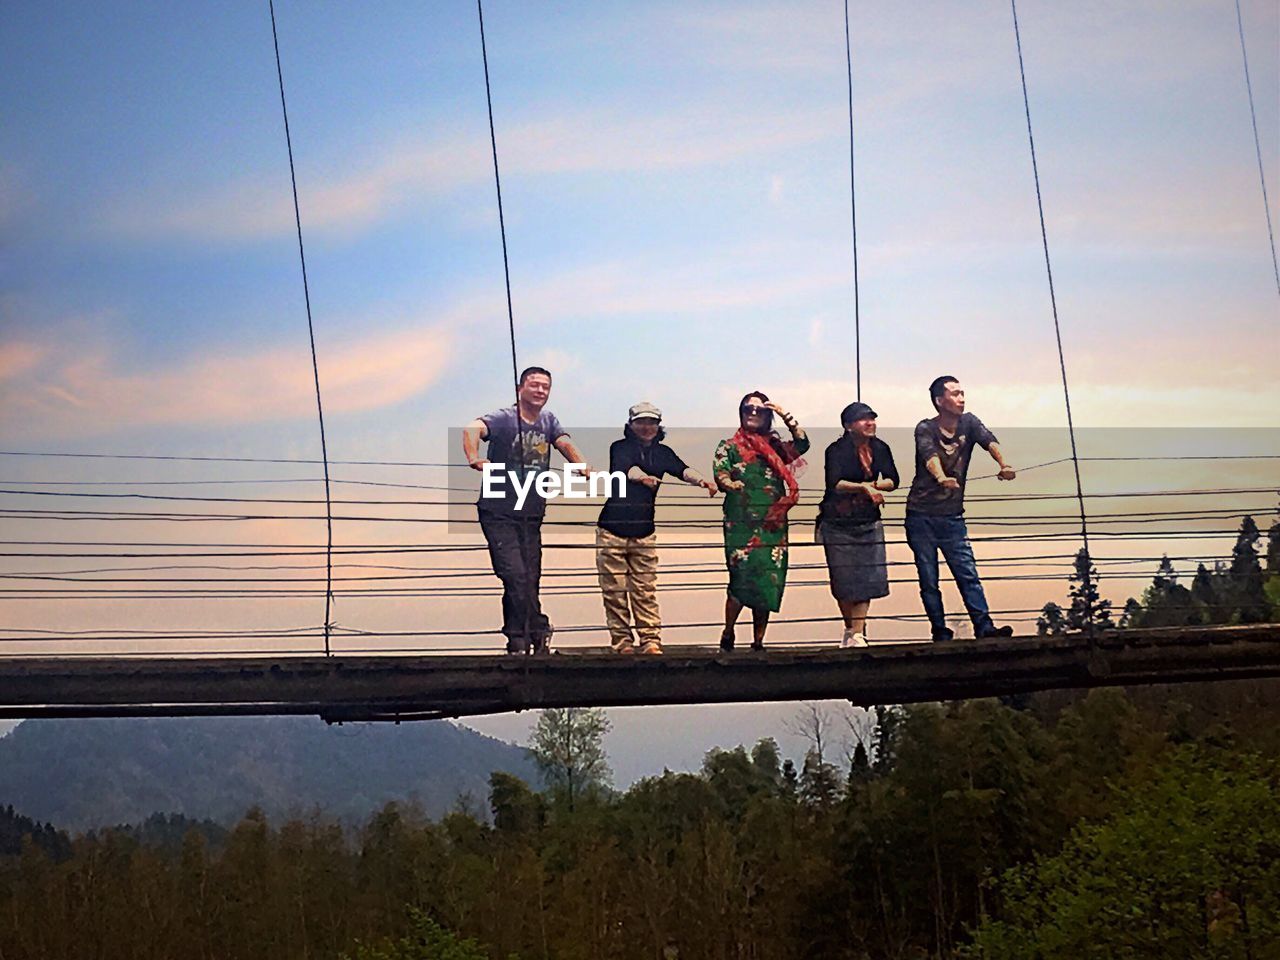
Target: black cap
(856, 411)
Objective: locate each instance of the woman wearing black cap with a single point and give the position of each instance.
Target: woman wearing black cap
(859, 472)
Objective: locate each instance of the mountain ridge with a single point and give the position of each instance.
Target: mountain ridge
(85, 774)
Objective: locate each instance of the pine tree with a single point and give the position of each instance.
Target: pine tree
(1166, 603)
(860, 765)
(1052, 622)
(1204, 588)
(1244, 556)
(1088, 610)
(1131, 615)
(1247, 591)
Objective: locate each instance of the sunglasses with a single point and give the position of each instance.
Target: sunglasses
(752, 410)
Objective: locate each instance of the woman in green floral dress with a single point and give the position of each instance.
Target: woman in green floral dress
(755, 469)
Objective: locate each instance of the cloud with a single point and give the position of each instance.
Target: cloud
(1022, 404)
(17, 357)
(351, 195)
(776, 186)
(729, 280)
(69, 389)
(257, 208)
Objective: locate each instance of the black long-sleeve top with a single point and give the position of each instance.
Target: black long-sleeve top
(842, 463)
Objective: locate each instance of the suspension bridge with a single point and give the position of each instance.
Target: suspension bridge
(384, 673)
(395, 688)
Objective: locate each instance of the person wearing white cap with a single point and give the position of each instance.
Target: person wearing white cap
(626, 537)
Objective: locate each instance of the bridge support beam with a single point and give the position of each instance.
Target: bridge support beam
(428, 687)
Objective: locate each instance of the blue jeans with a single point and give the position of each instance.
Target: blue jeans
(926, 535)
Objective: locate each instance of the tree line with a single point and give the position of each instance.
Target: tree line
(1140, 823)
(1244, 589)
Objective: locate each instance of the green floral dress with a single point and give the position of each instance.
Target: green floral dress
(756, 555)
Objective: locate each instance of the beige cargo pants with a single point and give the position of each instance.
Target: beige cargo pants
(628, 568)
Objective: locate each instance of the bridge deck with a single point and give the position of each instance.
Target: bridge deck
(427, 687)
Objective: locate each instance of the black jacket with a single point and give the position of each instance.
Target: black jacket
(631, 515)
(842, 463)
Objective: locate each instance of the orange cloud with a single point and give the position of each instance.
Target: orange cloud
(68, 390)
(17, 357)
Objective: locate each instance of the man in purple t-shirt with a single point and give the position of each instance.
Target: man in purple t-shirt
(935, 507)
(520, 444)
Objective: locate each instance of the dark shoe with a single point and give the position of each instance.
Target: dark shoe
(542, 644)
(990, 632)
(726, 641)
(757, 645)
(944, 635)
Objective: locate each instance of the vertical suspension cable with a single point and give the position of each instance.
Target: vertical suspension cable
(853, 215)
(502, 225)
(311, 330)
(1257, 146)
(1057, 328)
(511, 320)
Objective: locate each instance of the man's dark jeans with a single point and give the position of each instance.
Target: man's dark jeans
(515, 548)
(926, 535)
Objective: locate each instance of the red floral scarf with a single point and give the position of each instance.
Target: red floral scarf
(752, 445)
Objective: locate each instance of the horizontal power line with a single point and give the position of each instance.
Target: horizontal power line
(437, 572)
(448, 592)
(703, 501)
(419, 463)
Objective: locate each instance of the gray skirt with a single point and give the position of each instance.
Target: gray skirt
(856, 560)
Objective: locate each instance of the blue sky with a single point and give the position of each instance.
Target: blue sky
(676, 186)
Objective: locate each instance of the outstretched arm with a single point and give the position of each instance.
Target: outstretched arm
(472, 434)
(871, 490)
(693, 477)
(1006, 472)
(934, 466)
(571, 453)
(639, 476)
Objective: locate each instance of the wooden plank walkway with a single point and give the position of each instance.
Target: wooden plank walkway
(429, 687)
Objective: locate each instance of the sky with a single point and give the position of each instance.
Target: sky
(676, 187)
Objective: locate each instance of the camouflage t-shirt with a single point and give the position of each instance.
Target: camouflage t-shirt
(927, 495)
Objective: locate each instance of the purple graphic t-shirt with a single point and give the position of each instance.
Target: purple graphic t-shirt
(506, 450)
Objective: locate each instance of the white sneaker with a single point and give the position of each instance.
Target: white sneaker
(852, 639)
